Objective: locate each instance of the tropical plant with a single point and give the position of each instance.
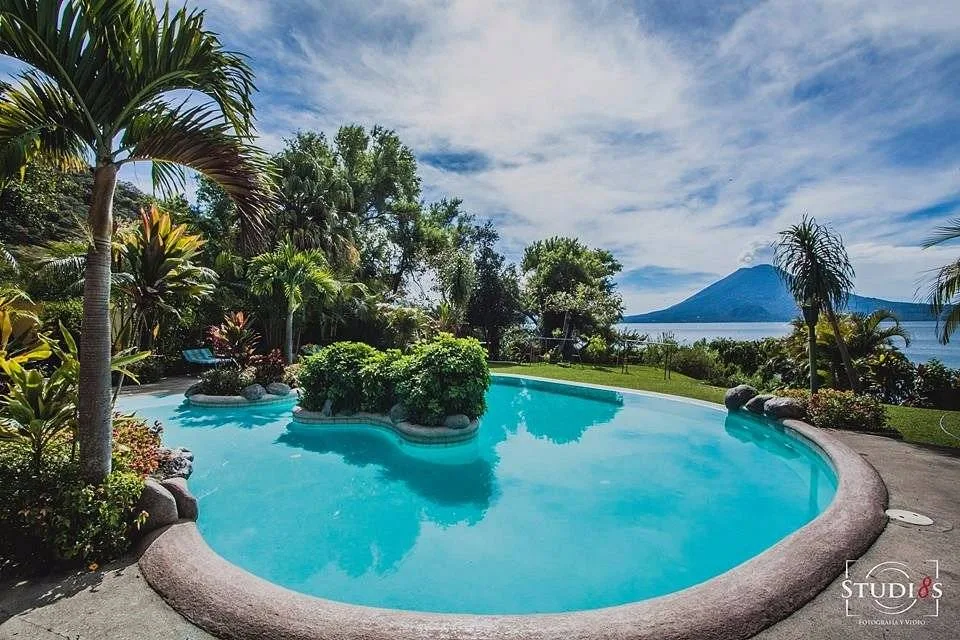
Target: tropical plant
(297, 276)
(944, 295)
(102, 83)
(160, 273)
(235, 338)
(227, 381)
(333, 375)
(37, 409)
(20, 340)
(814, 265)
(457, 279)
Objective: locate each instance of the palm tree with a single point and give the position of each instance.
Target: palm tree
(100, 91)
(297, 276)
(814, 265)
(945, 291)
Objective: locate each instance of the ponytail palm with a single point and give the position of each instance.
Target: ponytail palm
(99, 92)
(814, 265)
(296, 276)
(945, 291)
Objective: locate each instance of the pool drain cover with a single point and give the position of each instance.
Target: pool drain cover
(909, 517)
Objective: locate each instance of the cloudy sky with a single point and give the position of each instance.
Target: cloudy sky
(681, 135)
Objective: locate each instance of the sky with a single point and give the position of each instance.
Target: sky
(680, 135)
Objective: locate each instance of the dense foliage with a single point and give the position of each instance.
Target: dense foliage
(440, 377)
(334, 374)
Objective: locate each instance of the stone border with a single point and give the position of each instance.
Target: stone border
(232, 603)
(204, 400)
(419, 434)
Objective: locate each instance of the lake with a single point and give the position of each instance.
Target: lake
(923, 339)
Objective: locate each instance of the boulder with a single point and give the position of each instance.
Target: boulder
(458, 421)
(193, 389)
(327, 410)
(738, 396)
(755, 404)
(175, 463)
(784, 408)
(186, 502)
(253, 392)
(278, 389)
(399, 413)
(160, 505)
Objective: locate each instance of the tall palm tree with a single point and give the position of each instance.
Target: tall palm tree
(297, 276)
(945, 291)
(814, 265)
(100, 92)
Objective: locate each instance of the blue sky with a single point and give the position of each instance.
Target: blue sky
(680, 135)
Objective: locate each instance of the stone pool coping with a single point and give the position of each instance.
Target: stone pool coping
(204, 400)
(232, 603)
(306, 421)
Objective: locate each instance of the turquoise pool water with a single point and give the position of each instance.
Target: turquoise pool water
(565, 501)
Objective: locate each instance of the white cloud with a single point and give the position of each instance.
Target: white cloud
(671, 149)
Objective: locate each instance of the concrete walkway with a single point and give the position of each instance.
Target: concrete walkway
(116, 602)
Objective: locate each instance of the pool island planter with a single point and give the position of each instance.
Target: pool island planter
(204, 400)
(233, 603)
(305, 420)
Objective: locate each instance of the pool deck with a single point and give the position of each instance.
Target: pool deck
(116, 602)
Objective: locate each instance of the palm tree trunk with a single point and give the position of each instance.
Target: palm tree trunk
(289, 335)
(95, 424)
(812, 356)
(844, 352)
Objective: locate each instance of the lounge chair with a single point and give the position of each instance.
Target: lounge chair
(203, 357)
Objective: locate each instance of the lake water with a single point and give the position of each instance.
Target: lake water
(923, 339)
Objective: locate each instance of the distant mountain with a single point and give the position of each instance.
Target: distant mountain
(757, 294)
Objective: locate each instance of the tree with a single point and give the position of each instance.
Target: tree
(944, 293)
(495, 302)
(316, 200)
(457, 278)
(101, 84)
(297, 276)
(570, 287)
(814, 265)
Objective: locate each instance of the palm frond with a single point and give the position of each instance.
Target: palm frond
(943, 233)
(197, 138)
(38, 118)
(944, 298)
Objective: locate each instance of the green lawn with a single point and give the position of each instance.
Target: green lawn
(916, 425)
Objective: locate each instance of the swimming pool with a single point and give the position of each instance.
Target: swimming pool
(570, 498)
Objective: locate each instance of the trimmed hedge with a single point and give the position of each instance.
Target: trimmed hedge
(440, 377)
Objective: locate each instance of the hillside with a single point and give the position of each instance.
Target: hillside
(757, 294)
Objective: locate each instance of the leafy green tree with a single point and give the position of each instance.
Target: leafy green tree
(570, 287)
(495, 302)
(814, 265)
(102, 83)
(316, 200)
(297, 276)
(944, 293)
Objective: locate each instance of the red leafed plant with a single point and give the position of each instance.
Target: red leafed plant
(136, 445)
(270, 367)
(235, 338)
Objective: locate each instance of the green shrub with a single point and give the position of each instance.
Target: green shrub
(833, 409)
(53, 515)
(445, 376)
(379, 377)
(596, 349)
(68, 312)
(226, 381)
(333, 373)
(148, 370)
(936, 386)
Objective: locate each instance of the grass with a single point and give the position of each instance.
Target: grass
(916, 425)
